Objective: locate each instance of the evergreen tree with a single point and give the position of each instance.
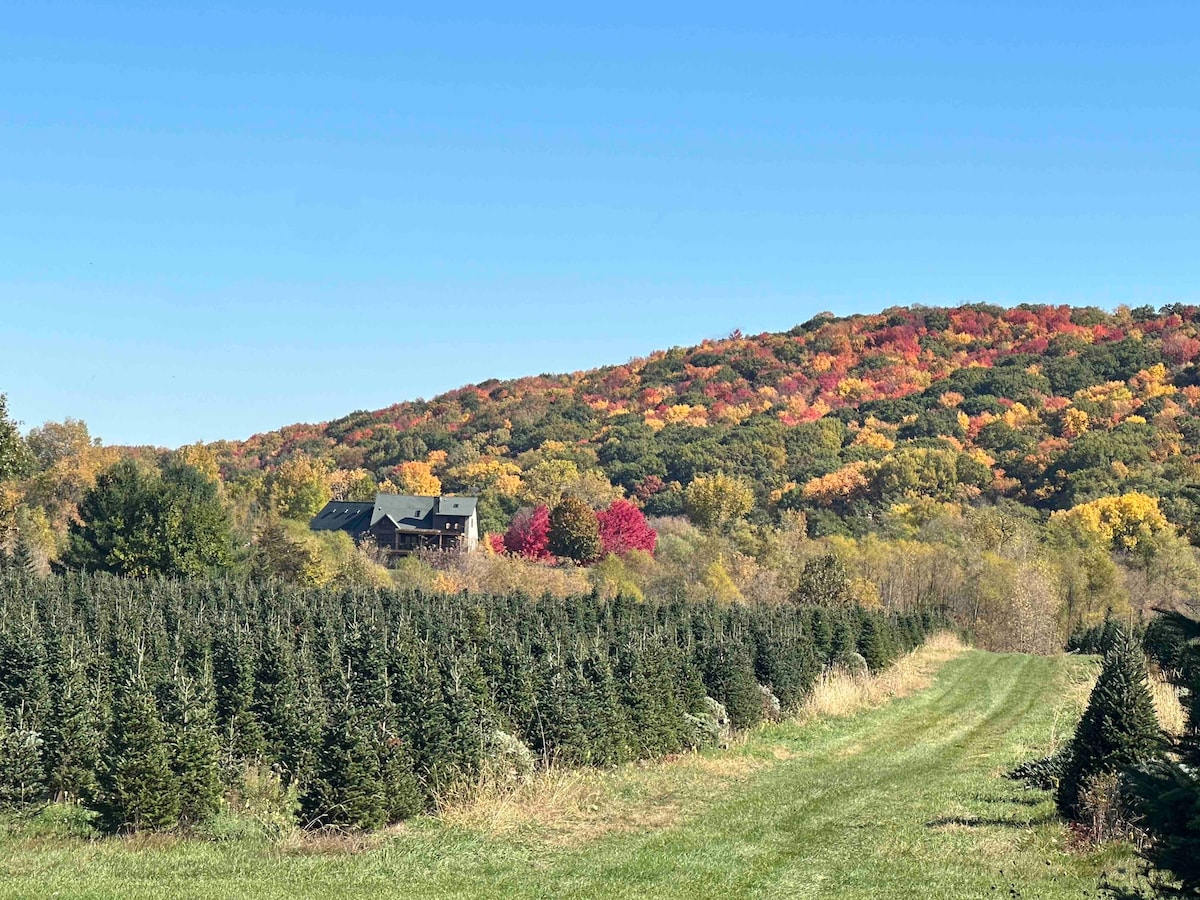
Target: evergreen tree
(26, 556)
(730, 681)
(604, 721)
(1119, 728)
(403, 797)
(277, 704)
(1167, 792)
(347, 788)
(845, 639)
(22, 774)
(822, 634)
(196, 758)
(872, 644)
(72, 737)
(137, 788)
(15, 458)
(135, 522)
(233, 666)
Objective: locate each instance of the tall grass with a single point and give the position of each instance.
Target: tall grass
(842, 693)
(1171, 716)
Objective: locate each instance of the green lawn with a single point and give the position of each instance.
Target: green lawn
(901, 801)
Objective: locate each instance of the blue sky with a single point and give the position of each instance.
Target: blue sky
(219, 219)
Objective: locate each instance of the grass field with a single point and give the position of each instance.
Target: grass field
(904, 800)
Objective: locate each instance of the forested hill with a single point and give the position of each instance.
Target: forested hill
(1050, 406)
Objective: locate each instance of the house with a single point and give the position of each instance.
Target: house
(403, 524)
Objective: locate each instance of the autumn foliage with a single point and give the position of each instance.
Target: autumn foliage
(623, 528)
(529, 534)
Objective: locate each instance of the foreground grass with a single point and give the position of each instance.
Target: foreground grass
(899, 800)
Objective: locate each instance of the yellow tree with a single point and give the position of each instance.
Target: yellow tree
(202, 459)
(299, 487)
(1121, 522)
(711, 500)
(417, 478)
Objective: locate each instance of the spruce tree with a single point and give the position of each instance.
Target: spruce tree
(233, 685)
(845, 639)
(197, 751)
(604, 718)
(72, 736)
(822, 635)
(137, 789)
(277, 704)
(1119, 728)
(730, 680)
(1167, 792)
(347, 788)
(22, 774)
(873, 644)
(403, 796)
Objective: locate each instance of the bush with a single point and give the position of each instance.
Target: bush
(506, 759)
(260, 806)
(853, 664)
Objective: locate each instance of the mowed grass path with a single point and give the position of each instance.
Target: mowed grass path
(901, 801)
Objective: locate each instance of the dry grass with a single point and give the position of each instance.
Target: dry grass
(572, 806)
(554, 799)
(1166, 704)
(841, 693)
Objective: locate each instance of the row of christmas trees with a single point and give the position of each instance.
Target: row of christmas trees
(148, 700)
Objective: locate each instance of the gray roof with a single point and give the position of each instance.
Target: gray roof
(407, 512)
(343, 515)
(457, 506)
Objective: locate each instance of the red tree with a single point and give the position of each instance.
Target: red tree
(623, 528)
(529, 534)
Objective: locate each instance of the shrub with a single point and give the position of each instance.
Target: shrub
(507, 759)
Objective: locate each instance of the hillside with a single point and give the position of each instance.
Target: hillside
(1029, 470)
(838, 417)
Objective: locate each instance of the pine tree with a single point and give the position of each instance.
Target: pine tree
(1119, 728)
(1167, 792)
(197, 751)
(137, 789)
(347, 788)
(22, 775)
(872, 645)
